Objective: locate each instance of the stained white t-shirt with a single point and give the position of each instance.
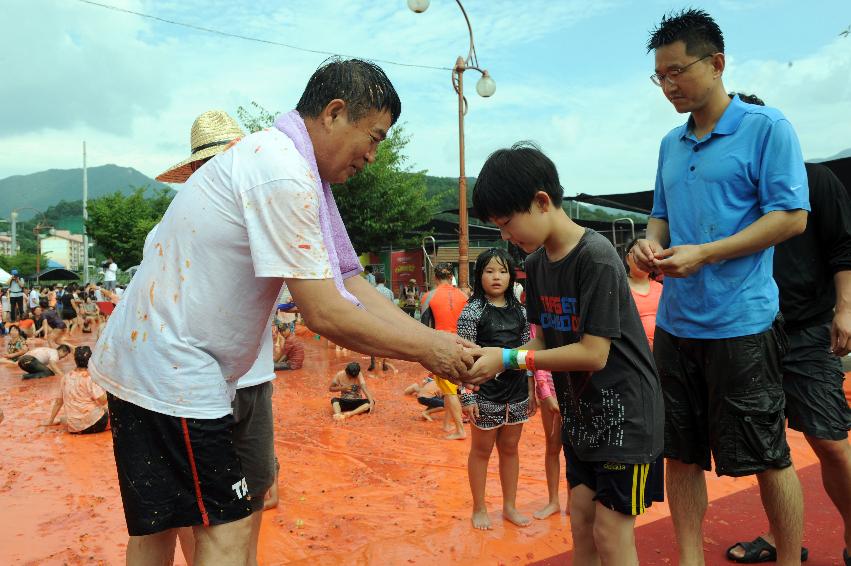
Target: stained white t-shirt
(263, 369)
(248, 218)
(110, 273)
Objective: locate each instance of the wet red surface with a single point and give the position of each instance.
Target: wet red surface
(378, 489)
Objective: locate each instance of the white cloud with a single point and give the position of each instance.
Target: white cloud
(132, 87)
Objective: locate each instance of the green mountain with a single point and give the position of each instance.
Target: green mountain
(46, 188)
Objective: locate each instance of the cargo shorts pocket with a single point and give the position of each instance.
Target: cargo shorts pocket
(752, 436)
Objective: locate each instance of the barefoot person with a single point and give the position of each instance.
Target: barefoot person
(589, 335)
(730, 185)
(493, 317)
(355, 397)
(43, 362)
(84, 401)
(255, 216)
(445, 303)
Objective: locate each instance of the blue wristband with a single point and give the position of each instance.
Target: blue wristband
(506, 358)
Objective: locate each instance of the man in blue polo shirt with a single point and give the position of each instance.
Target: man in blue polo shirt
(730, 185)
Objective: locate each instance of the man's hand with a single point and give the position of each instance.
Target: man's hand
(449, 357)
(472, 411)
(488, 365)
(840, 333)
(680, 261)
(644, 254)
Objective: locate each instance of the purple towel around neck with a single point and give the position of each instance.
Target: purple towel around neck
(341, 254)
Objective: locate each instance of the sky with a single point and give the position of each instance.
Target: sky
(571, 75)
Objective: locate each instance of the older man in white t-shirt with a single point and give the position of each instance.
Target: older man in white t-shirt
(255, 216)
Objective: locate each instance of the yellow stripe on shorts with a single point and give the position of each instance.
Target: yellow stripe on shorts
(645, 471)
(634, 489)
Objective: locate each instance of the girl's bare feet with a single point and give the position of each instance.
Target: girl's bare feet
(481, 520)
(513, 515)
(339, 417)
(547, 510)
(427, 417)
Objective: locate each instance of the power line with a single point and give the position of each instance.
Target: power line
(256, 39)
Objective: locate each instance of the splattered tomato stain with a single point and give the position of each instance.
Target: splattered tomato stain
(151, 292)
(187, 263)
(134, 335)
(145, 335)
(175, 297)
(257, 149)
(304, 246)
(160, 248)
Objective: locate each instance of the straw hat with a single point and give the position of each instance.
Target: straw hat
(212, 132)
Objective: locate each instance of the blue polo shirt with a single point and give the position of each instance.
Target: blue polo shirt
(751, 164)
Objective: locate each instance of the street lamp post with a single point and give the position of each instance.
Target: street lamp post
(485, 87)
(37, 232)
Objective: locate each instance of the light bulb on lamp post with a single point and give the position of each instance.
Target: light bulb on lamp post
(418, 6)
(486, 87)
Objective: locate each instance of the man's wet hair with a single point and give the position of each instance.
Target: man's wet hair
(379, 278)
(362, 85)
(693, 27)
(353, 369)
(748, 98)
(510, 179)
(82, 355)
(64, 348)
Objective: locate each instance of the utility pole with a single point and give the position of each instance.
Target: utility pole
(85, 218)
(14, 232)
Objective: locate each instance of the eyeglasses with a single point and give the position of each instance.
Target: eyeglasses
(670, 77)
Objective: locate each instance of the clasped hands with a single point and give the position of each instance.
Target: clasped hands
(468, 364)
(676, 261)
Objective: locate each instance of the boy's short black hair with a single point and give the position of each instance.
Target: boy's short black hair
(379, 278)
(82, 355)
(64, 348)
(511, 177)
(443, 271)
(693, 27)
(368, 269)
(353, 369)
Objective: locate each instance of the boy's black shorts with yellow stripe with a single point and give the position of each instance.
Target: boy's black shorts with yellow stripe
(626, 488)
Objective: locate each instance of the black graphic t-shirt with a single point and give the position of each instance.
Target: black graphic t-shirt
(615, 414)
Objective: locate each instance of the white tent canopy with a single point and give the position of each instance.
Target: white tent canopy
(5, 276)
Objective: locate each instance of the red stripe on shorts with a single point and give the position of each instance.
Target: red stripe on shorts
(205, 519)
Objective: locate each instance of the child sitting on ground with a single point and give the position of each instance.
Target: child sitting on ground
(84, 400)
(352, 388)
(288, 350)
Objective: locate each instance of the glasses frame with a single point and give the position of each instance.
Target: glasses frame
(670, 78)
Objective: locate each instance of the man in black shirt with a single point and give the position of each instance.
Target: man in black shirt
(813, 273)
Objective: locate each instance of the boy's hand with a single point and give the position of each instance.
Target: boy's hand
(472, 411)
(681, 261)
(488, 364)
(644, 254)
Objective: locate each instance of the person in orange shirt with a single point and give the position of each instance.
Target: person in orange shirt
(444, 304)
(84, 400)
(646, 293)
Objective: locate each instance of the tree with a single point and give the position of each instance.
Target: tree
(383, 202)
(119, 223)
(25, 263)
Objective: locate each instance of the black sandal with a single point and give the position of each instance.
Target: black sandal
(760, 550)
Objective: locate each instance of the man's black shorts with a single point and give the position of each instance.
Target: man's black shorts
(724, 397)
(626, 488)
(175, 472)
(814, 384)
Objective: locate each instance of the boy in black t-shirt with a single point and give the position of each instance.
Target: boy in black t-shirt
(590, 336)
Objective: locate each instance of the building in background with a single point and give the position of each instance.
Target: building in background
(64, 248)
(6, 245)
